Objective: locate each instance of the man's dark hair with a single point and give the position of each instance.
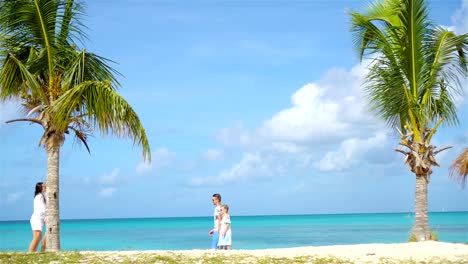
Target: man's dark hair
(218, 196)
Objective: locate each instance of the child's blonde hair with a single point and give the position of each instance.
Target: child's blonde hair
(226, 207)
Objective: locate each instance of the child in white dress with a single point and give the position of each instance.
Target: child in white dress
(224, 241)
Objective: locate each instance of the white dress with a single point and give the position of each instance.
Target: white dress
(225, 240)
(38, 217)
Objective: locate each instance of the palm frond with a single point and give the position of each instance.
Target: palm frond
(36, 22)
(384, 10)
(385, 90)
(14, 75)
(106, 111)
(459, 168)
(10, 79)
(72, 29)
(414, 23)
(444, 52)
(385, 86)
(368, 38)
(81, 136)
(85, 66)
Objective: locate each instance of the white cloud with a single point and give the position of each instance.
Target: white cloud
(144, 167)
(107, 192)
(460, 19)
(327, 127)
(109, 178)
(268, 164)
(161, 158)
(252, 165)
(449, 28)
(213, 155)
(14, 196)
(234, 136)
(329, 110)
(350, 152)
(296, 124)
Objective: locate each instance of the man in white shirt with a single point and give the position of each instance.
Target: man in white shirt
(216, 199)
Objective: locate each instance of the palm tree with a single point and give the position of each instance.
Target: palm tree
(414, 73)
(460, 167)
(62, 88)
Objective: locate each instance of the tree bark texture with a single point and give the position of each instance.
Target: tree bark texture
(53, 146)
(421, 221)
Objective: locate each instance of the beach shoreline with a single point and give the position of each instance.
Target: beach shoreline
(357, 253)
(417, 252)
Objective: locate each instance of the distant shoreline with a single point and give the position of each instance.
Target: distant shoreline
(184, 217)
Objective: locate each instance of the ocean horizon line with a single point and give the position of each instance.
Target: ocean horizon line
(204, 216)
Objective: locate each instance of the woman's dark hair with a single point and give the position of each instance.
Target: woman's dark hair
(39, 189)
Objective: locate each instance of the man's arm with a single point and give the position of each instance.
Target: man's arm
(219, 222)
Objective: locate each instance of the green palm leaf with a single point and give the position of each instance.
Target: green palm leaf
(12, 75)
(106, 111)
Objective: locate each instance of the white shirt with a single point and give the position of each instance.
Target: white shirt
(39, 207)
(217, 211)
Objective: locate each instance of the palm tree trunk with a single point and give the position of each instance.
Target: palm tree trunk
(421, 224)
(52, 193)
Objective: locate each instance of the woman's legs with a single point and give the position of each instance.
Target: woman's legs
(43, 243)
(35, 241)
(228, 247)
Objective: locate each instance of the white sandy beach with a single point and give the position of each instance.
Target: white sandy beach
(364, 253)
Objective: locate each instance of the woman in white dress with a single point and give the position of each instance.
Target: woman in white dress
(38, 218)
(224, 241)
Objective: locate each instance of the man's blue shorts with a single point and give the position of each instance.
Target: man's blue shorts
(214, 242)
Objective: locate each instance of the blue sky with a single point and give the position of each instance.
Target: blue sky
(257, 100)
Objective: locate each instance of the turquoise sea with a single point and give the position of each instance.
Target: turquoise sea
(249, 232)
